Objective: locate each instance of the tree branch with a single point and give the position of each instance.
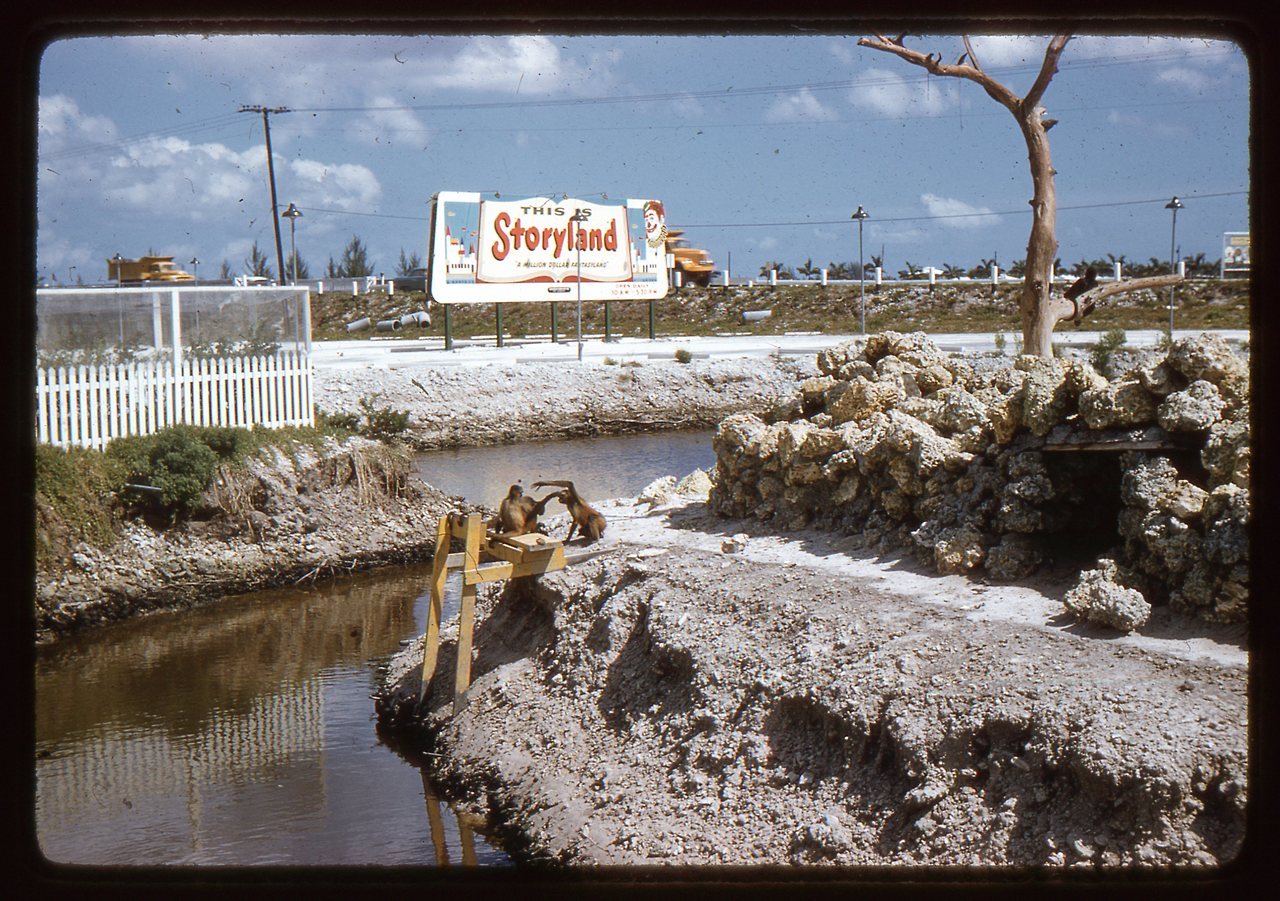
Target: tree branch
(968, 48)
(1048, 69)
(935, 66)
(1060, 308)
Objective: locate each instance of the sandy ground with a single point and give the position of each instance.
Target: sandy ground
(676, 700)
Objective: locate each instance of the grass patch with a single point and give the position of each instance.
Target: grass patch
(84, 495)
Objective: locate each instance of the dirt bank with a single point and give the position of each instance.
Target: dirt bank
(303, 515)
(467, 407)
(712, 691)
(282, 519)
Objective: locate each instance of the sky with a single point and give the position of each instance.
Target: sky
(760, 146)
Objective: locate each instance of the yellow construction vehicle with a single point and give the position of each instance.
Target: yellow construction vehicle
(694, 265)
(146, 269)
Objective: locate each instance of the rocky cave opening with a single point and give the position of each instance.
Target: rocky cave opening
(1088, 483)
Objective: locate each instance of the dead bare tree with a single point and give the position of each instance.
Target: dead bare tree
(1040, 311)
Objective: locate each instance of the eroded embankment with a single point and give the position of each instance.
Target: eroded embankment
(468, 407)
(278, 519)
(683, 707)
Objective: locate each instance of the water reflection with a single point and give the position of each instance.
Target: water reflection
(238, 733)
(607, 467)
(242, 733)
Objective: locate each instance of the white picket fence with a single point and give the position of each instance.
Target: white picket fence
(89, 406)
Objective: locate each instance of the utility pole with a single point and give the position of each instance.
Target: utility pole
(271, 176)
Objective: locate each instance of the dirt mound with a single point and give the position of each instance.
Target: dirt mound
(666, 706)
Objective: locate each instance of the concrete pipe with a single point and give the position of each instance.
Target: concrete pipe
(419, 318)
(359, 324)
(756, 315)
(389, 325)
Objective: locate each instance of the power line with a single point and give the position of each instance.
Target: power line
(696, 124)
(186, 128)
(717, 93)
(729, 92)
(973, 215)
(1080, 206)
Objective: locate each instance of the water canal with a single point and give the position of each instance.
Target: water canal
(242, 733)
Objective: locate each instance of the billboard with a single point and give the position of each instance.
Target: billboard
(1235, 252)
(488, 249)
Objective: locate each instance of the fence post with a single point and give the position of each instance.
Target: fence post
(1117, 270)
(879, 275)
(824, 278)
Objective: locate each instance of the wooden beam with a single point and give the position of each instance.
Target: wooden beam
(1064, 438)
(467, 612)
(435, 609)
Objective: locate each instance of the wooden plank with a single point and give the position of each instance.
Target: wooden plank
(467, 613)
(435, 609)
(1064, 438)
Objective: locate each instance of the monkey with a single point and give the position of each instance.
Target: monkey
(518, 513)
(586, 518)
(1080, 286)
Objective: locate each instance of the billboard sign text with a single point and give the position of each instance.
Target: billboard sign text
(486, 249)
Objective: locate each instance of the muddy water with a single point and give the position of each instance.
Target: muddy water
(616, 466)
(242, 732)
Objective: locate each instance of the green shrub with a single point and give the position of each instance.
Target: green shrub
(343, 422)
(683, 355)
(180, 465)
(1000, 343)
(1101, 352)
(228, 442)
(382, 423)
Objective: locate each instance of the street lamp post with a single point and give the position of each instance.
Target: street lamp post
(117, 259)
(1173, 205)
(195, 269)
(860, 214)
(292, 213)
(578, 218)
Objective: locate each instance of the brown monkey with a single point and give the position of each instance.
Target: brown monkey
(586, 518)
(1085, 283)
(518, 513)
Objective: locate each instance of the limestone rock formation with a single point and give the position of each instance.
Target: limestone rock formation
(901, 445)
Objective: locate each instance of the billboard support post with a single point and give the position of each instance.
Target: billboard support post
(651, 303)
(555, 339)
(498, 319)
(578, 218)
(608, 331)
(448, 328)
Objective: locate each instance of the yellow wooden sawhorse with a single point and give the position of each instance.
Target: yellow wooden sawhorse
(486, 557)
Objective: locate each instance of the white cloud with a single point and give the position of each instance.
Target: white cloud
(687, 108)
(1162, 127)
(152, 191)
(801, 106)
(1009, 49)
(891, 93)
(961, 214)
(519, 64)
